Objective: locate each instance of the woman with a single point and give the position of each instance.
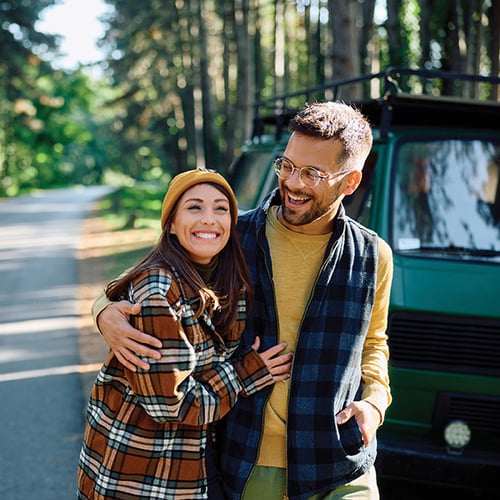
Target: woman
(149, 433)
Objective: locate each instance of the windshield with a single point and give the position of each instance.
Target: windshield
(446, 196)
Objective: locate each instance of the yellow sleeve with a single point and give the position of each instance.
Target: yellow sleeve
(100, 303)
(375, 357)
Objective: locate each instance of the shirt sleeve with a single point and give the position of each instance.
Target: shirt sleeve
(375, 357)
(172, 390)
(100, 303)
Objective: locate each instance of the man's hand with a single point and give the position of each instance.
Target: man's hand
(367, 417)
(279, 365)
(124, 340)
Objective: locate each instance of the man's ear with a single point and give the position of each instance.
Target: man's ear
(353, 181)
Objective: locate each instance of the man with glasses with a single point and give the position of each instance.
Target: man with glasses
(321, 283)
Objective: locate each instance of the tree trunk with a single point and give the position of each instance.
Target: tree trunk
(245, 91)
(210, 144)
(344, 59)
(365, 46)
(494, 17)
(394, 33)
(425, 34)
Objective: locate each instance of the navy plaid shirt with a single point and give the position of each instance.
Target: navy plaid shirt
(326, 373)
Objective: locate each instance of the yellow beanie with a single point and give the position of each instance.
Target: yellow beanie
(182, 182)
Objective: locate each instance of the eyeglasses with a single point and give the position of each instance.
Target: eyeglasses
(309, 176)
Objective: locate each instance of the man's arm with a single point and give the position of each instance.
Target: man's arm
(112, 320)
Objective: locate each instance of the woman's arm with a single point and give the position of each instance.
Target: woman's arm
(174, 389)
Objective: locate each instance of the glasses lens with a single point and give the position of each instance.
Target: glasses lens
(310, 176)
(284, 168)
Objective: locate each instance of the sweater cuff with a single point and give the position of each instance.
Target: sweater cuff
(98, 306)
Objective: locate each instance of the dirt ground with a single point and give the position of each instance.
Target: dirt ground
(98, 248)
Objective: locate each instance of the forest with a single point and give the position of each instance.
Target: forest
(179, 80)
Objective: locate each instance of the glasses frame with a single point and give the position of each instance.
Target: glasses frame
(319, 174)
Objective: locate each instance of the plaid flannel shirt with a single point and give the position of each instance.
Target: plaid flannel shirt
(147, 430)
(326, 373)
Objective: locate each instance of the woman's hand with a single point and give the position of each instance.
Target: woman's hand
(280, 365)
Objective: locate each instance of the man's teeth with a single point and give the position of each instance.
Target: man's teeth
(297, 198)
(206, 236)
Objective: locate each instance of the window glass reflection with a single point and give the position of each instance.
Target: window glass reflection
(447, 196)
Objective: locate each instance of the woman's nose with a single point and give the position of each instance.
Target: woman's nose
(208, 218)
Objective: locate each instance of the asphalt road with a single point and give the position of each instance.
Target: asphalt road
(41, 400)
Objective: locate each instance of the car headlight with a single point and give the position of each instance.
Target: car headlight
(457, 435)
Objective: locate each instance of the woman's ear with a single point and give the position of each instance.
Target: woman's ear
(353, 181)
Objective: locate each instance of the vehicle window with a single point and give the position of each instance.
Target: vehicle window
(249, 177)
(358, 204)
(446, 196)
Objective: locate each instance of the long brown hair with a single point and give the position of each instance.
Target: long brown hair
(230, 279)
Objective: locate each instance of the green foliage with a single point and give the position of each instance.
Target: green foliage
(180, 82)
(140, 203)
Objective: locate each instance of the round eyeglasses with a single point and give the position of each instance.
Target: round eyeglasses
(309, 176)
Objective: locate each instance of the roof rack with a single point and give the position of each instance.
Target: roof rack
(377, 94)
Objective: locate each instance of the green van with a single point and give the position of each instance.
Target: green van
(431, 189)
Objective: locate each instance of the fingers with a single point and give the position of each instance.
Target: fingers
(138, 342)
(256, 344)
(279, 365)
(130, 365)
(343, 416)
(137, 345)
(273, 351)
(367, 417)
(127, 308)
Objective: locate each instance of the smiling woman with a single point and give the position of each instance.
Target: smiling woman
(193, 295)
(79, 25)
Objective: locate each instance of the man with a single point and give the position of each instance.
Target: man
(322, 283)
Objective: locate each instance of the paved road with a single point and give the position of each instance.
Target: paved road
(41, 401)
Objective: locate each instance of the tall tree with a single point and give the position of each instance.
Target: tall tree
(344, 42)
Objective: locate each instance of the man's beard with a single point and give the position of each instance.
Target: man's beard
(294, 218)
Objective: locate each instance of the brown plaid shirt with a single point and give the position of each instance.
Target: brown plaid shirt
(147, 432)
